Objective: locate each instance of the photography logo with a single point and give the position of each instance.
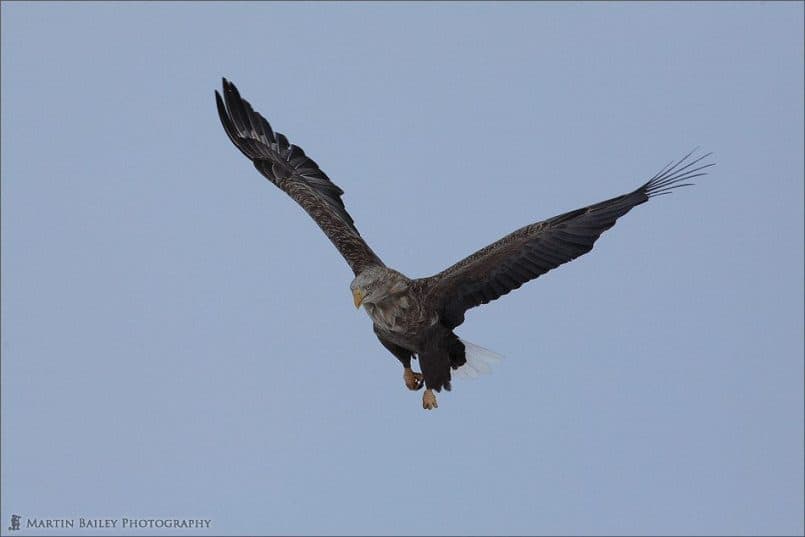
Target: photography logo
(109, 523)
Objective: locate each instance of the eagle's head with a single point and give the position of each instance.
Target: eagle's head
(376, 284)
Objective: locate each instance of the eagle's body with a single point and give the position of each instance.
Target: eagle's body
(416, 318)
(408, 325)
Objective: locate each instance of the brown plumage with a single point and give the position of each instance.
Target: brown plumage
(415, 318)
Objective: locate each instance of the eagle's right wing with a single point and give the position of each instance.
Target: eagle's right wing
(287, 166)
(533, 250)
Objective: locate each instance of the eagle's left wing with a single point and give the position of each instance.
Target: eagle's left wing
(287, 166)
(533, 250)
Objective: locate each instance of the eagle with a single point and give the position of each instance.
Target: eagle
(416, 318)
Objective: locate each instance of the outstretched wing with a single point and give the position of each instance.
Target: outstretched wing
(533, 250)
(287, 166)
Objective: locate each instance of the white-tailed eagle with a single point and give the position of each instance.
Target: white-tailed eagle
(415, 318)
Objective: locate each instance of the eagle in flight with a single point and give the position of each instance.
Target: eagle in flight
(416, 318)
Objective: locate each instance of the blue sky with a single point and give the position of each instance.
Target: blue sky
(178, 337)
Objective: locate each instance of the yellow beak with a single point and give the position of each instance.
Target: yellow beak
(357, 297)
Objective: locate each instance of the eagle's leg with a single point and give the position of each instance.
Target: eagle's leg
(435, 365)
(429, 400)
(412, 379)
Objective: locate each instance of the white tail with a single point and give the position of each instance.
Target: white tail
(479, 361)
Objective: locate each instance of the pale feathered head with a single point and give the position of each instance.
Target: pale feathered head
(375, 284)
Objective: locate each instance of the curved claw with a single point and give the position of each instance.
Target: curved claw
(413, 381)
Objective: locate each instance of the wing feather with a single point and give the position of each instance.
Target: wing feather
(287, 166)
(533, 250)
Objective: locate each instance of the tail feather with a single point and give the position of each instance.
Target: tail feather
(479, 361)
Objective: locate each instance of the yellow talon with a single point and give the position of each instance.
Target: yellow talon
(429, 400)
(413, 380)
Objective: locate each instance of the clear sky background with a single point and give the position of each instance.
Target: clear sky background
(179, 339)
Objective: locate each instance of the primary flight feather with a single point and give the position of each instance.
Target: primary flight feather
(415, 318)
